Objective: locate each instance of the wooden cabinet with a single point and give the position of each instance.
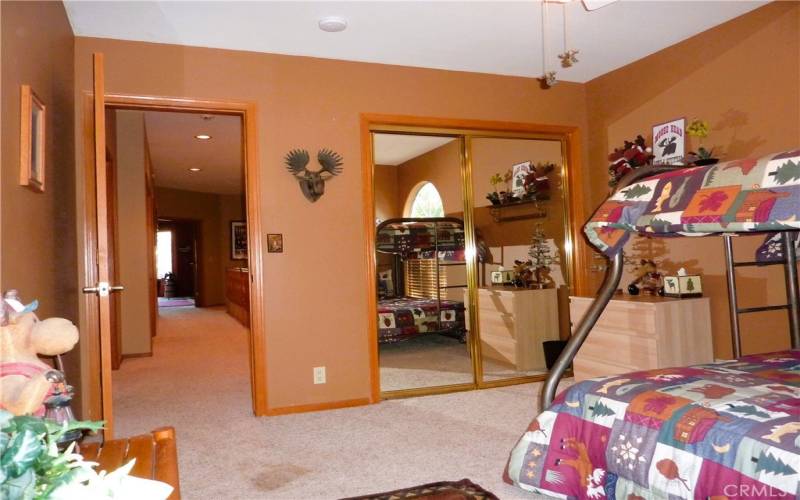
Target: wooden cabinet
(643, 333)
(237, 294)
(514, 322)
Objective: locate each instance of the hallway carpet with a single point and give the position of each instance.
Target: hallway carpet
(198, 381)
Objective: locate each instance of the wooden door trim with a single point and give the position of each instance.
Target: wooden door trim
(574, 178)
(248, 112)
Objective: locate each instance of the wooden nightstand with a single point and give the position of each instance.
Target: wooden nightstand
(643, 333)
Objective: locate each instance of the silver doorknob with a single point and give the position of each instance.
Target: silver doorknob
(103, 289)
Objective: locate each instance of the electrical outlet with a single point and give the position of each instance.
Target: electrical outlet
(319, 374)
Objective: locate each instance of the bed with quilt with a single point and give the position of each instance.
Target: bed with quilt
(402, 318)
(723, 430)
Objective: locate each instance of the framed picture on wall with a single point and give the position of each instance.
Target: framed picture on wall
(238, 240)
(32, 140)
(275, 243)
(518, 174)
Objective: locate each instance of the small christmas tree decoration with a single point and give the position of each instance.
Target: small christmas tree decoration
(541, 258)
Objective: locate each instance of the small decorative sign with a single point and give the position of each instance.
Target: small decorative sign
(683, 286)
(501, 277)
(669, 142)
(519, 172)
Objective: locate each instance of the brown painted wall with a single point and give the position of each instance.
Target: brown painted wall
(442, 168)
(742, 76)
(315, 103)
(388, 204)
(131, 233)
(38, 229)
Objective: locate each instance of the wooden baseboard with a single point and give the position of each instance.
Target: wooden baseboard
(137, 355)
(333, 405)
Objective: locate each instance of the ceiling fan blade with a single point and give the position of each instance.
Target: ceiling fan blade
(596, 4)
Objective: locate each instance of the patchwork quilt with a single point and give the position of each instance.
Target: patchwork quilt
(402, 318)
(736, 196)
(721, 431)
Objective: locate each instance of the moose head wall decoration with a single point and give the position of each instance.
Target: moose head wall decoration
(313, 183)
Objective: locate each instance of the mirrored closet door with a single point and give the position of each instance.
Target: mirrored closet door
(473, 260)
(520, 216)
(421, 267)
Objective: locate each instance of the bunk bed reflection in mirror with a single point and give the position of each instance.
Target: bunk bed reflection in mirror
(420, 294)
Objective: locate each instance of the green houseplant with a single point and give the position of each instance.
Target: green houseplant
(33, 468)
(700, 129)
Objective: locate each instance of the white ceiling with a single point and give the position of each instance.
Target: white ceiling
(501, 37)
(174, 149)
(394, 149)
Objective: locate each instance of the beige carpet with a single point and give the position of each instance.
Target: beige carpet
(197, 381)
(431, 360)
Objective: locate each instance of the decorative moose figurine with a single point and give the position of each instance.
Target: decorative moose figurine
(313, 183)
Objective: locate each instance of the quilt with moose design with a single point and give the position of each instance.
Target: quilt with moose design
(402, 318)
(736, 196)
(721, 430)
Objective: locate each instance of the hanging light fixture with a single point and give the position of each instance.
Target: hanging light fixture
(548, 78)
(568, 57)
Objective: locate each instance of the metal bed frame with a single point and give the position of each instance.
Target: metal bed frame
(435, 221)
(614, 274)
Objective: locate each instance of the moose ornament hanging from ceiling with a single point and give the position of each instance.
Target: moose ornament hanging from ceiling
(312, 183)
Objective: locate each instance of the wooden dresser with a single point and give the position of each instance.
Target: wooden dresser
(237, 294)
(643, 333)
(514, 322)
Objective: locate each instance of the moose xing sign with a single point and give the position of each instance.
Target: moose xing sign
(669, 142)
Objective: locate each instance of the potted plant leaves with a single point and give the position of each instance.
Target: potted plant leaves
(700, 129)
(494, 196)
(33, 468)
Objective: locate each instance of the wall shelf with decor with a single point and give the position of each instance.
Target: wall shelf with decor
(531, 209)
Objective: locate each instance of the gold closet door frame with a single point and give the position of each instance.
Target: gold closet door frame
(371, 124)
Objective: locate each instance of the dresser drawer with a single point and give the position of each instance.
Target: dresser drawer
(640, 353)
(587, 367)
(620, 316)
(496, 301)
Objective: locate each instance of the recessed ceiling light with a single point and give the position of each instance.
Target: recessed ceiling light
(195, 169)
(202, 137)
(332, 24)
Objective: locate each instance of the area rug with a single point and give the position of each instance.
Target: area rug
(444, 490)
(175, 302)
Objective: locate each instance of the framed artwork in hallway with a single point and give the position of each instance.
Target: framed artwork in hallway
(238, 240)
(275, 243)
(32, 145)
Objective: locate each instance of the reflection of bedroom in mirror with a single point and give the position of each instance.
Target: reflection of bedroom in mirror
(448, 321)
(519, 211)
(422, 333)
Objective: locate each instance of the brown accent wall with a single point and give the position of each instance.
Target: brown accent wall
(742, 77)
(388, 204)
(442, 168)
(316, 313)
(38, 229)
(214, 211)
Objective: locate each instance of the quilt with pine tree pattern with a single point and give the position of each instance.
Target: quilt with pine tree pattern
(736, 196)
(724, 430)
